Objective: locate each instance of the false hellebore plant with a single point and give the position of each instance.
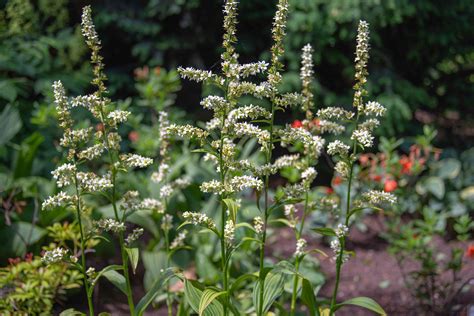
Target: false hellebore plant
(233, 121)
(100, 148)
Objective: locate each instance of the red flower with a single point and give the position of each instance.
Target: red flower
(14, 261)
(470, 251)
(336, 181)
(377, 177)
(316, 122)
(390, 185)
(407, 164)
(133, 136)
(329, 190)
(296, 124)
(28, 257)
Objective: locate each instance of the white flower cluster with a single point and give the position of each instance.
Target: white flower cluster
(341, 230)
(290, 210)
(187, 131)
(335, 113)
(258, 225)
(363, 137)
(110, 225)
(306, 71)
(64, 174)
(54, 256)
(91, 152)
(130, 201)
(338, 148)
(91, 182)
(213, 186)
(74, 137)
(342, 168)
(247, 129)
(60, 98)
(229, 232)
(247, 111)
(168, 189)
(215, 103)
(326, 126)
(336, 248)
(160, 175)
(313, 145)
(195, 74)
(178, 241)
(88, 28)
(287, 161)
(57, 200)
(251, 69)
(136, 233)
(369, 124)
(294, 191)
(164, 134)
(167, 222)
(300, 247)
(361, 60)
(152, 204)
(90, 102)
(291, 99)
(374, 108)
(199, 219)
(135, 161)
(118, 116)
(308, 176)
(379, 197)
(242, 182)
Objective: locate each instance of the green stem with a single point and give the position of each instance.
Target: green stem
(295, 288)
(268, 159)
(83, 248)
(224, 265)
(342, 242)
(168, 294)
(117, 218)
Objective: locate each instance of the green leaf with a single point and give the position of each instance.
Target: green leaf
(71, 312)
(232, 206)
(365, 302)
(273, 287)
(133, 255)
(307, 296)
(17, 237)
(155, 290)
(193, 293)
(236, 284)
(26, 155)
(101, 273)
(10, 124)
(436, 186)
(116, 279)
(208, 296)
(448, 168)
(325, 231)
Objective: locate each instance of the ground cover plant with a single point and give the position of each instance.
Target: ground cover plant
(197, 219)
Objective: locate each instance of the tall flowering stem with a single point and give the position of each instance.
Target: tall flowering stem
(67, 174)
(309, 172)
(361, 138)
(108, 123)
(274, 79)
(231, 121)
